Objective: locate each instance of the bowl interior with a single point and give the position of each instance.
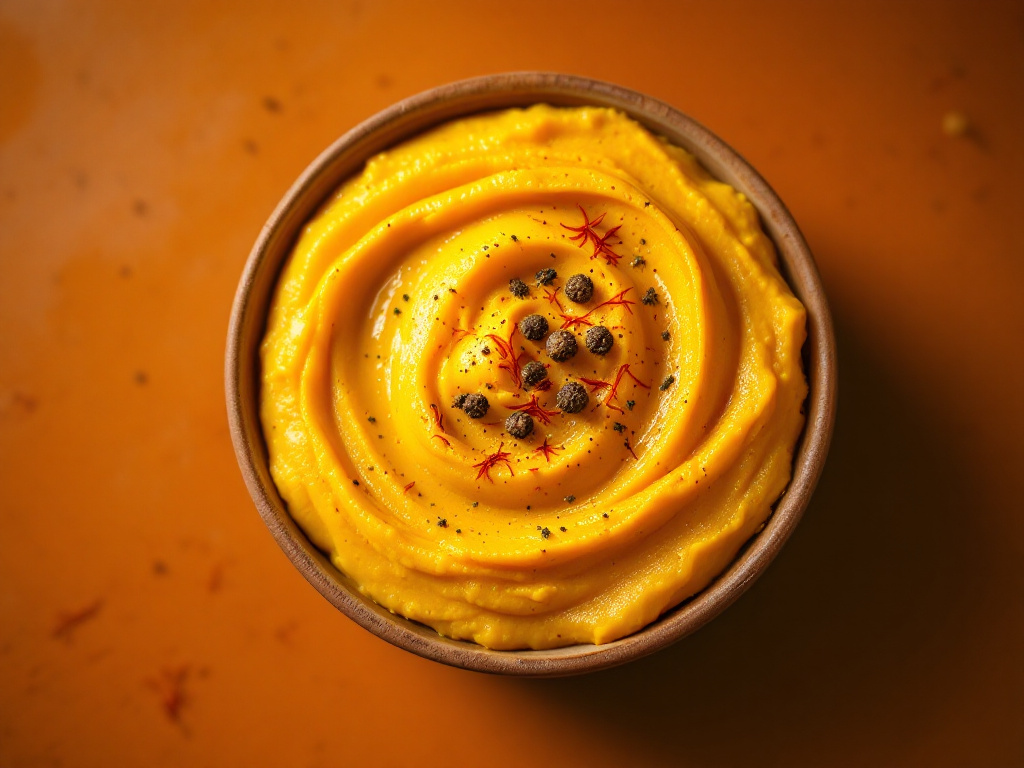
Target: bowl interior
(414, 115)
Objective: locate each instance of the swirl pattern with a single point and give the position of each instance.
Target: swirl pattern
(408, 292)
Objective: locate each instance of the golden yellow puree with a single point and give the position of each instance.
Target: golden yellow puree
(396, 300)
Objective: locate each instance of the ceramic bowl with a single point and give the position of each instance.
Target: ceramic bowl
(414, 115)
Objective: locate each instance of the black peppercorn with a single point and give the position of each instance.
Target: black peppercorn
(533, 373)
(519, 424)
(519, 288)
(572, 398)
(475, 406)
(561, 346)
(545, 276)
(599, 340)
(651, 297)
(533, 327)
(579, 288)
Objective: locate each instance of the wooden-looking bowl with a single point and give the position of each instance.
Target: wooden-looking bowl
(401, 121)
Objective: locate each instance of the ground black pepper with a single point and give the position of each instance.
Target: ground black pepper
(545, 276)
(650, 298)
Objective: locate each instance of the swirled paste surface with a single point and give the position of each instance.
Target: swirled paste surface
(397, 300)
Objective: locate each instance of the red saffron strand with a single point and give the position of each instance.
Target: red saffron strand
(618, 300)
(443, 439)
(630, 447)
(438, 417)
(510, 360)
(409, 487)
(586, 234)
(535, 409)
(597, 385)
(552, 296)
(498, 457)
(623, 370)
(543, 386)
(601, 247)
(547, 450)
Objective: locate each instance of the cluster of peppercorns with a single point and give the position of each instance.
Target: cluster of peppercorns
(561, 345)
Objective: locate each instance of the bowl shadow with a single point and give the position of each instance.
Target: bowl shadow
(832, 641)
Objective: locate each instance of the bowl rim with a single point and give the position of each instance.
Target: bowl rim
(416, 114)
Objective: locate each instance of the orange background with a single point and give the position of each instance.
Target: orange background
(141, 149)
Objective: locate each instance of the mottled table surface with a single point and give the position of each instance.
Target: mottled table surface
(148, 618)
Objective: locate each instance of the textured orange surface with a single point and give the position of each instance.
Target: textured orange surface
(147, 618)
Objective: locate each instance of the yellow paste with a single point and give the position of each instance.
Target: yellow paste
(396, 300)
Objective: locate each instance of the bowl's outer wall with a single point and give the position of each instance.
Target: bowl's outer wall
(412, 116)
